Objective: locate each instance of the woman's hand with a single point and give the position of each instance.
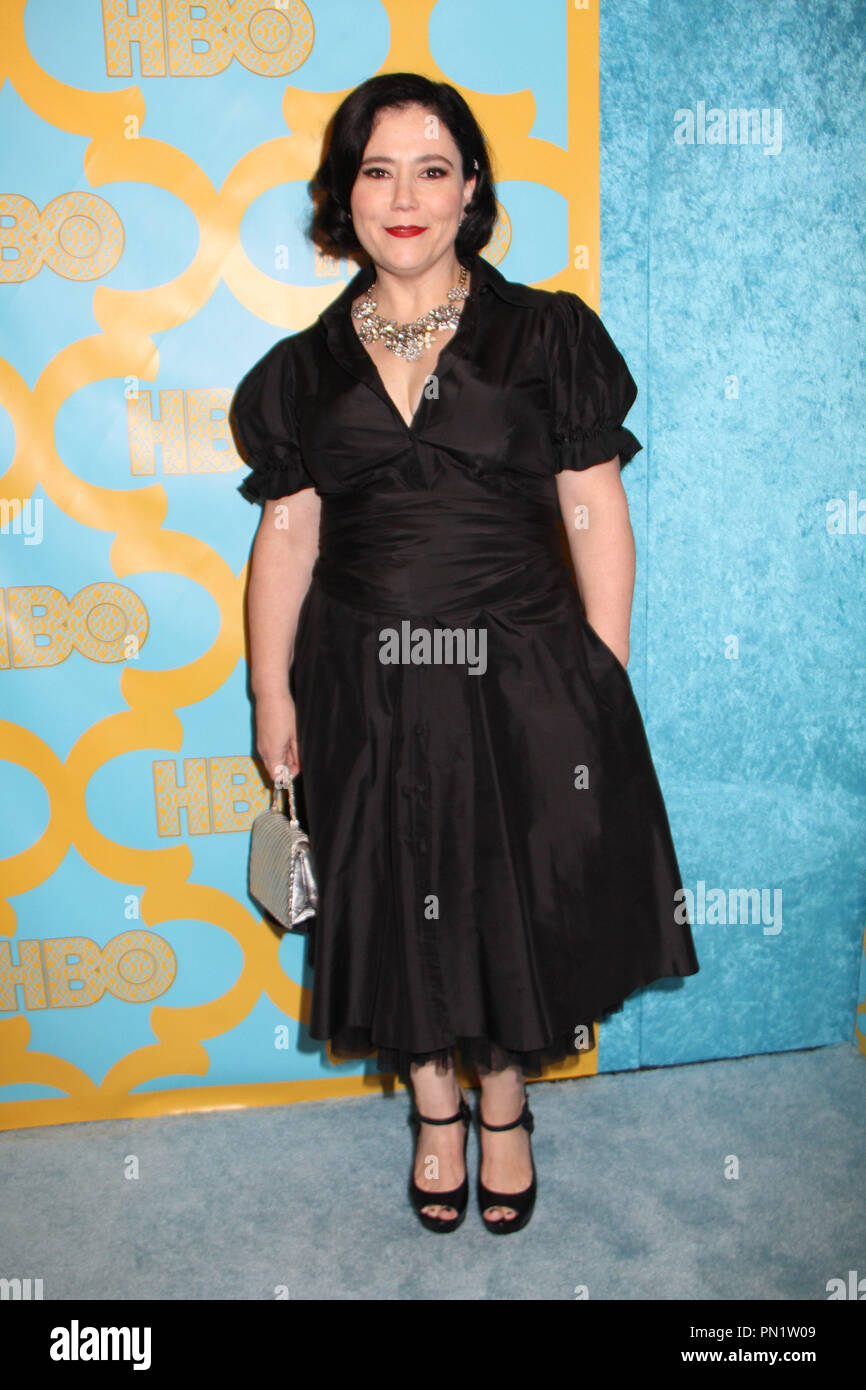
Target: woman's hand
(276, 733)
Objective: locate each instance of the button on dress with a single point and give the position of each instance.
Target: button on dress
(493, 855)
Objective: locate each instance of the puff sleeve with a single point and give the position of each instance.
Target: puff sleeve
(591, 388)
(262, 419)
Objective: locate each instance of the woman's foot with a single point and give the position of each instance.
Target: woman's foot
(506, 1163)
(439, 1162)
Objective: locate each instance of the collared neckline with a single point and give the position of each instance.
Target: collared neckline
(346, 347)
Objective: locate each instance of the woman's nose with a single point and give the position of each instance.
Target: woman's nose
(405, 195)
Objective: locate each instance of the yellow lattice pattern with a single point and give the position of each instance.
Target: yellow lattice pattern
(79, 236)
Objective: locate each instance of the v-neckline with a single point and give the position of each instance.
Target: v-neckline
(374, 377)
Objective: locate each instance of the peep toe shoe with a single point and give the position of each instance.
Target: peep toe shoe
(523, 1203)
(459, 1196)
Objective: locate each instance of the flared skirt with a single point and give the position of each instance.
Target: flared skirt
(494, 861)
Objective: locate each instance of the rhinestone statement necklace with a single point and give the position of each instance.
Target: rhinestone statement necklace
(410, 339)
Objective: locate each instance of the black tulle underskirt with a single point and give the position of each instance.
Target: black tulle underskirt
(480, 1055)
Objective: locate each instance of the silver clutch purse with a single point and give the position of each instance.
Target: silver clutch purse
(281, 869)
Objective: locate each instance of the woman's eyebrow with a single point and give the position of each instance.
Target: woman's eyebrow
(388, 159)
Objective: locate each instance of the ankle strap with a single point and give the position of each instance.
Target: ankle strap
(461, 1115)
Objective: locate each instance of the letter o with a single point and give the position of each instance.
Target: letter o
(137, 966)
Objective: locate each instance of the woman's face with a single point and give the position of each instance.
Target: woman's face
(411, 177)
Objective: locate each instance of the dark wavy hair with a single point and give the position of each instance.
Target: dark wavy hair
(346, 139)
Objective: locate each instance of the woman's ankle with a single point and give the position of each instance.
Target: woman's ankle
(435, 1091)
(502, 1095)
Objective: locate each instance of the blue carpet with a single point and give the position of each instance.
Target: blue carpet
(633, 1199)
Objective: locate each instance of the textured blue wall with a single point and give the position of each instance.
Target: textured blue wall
(733, 279)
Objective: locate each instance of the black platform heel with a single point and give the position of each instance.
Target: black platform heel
(458, 1198)
(523, 1203)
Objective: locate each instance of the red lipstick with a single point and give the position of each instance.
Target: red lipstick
(405, 231)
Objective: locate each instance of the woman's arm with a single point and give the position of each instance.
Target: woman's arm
(283, 555)
(602, 548)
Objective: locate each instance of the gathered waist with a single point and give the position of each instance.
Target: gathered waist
(426, 552)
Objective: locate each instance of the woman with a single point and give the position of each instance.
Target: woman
(492, 852)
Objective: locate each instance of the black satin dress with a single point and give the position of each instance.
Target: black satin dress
(491, 846)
